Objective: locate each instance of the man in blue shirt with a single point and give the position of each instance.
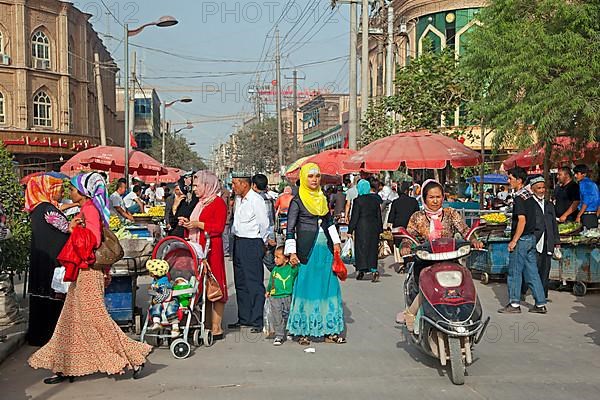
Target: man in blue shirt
(590, 198)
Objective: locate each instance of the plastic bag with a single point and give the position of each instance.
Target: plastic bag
(339, 268)
(348, 251)
(268, 320)
(384, 249)
(58, 284)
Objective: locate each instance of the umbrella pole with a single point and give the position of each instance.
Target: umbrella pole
(482, 168)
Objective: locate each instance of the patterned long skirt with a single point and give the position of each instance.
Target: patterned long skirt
(86, 339)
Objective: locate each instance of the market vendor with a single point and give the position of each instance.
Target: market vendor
(590, 198)
(117, 204)
(566, 195)
(132, 201)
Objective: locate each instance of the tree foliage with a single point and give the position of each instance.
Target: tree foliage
(429, 87)
(537, 64)
(178, 153)
(257, 147)
(11, 196)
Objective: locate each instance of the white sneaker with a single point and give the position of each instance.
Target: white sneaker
(175, 333)
(278, 341)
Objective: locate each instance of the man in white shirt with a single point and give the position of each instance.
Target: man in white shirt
(160, 195)
(150, 194)
(132, 201)
(250, 230)
(117, 204)
(351, 194)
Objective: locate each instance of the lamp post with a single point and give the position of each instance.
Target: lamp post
(162, 22)
(166, 105)
(188, 126)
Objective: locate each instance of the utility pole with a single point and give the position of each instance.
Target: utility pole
(295, 105)
(389, 61)
(132, 98)
(353, 87)
(278, 79)
(364, 76)
(100, 95)
(380, 40)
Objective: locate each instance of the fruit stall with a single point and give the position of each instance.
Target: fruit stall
(491, 263)
(137, 239)
(579, 266)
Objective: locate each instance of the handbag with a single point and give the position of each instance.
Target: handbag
(384, 249)
(339, 268)
(110, 250)
(213, 289)
(348, 251)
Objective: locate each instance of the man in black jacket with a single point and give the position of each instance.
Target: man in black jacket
(546, 230)
(402, 209)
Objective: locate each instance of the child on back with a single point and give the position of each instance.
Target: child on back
(279, 292)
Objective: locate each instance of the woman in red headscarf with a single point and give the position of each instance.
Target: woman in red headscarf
(209, 217)
(49, 233)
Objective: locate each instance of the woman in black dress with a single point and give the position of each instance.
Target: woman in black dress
(367, 225)
(183, 205)
(49, 232)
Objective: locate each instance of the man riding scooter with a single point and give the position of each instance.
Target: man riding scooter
(433, 222)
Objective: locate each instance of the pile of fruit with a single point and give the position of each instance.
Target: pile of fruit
(495, 218)
(568, 228)
(157, 211)
(114, 223)
(123, 233)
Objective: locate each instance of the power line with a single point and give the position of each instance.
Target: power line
(111, 13)
(313, 35)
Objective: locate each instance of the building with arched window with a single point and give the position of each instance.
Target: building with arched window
(442, 24)
(48, 100)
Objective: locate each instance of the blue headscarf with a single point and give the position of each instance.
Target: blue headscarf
(363, 187)
(92, 185)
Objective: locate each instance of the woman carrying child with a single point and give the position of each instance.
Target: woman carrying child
(311, 240)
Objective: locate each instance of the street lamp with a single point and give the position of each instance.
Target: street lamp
(162, 22)
(188, 126)
(166, 105)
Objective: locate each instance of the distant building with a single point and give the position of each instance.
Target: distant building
(322, 119)
(48, 100)
(147, 115)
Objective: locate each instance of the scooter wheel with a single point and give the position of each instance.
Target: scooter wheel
(485, 278)
(457, 365)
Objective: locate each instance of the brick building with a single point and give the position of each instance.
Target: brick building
(48, 100)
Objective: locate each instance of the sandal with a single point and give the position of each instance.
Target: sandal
(337, 339)
(304, 341)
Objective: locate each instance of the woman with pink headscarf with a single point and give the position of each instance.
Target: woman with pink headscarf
(209, 217)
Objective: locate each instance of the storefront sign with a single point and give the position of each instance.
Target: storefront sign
(69, 144)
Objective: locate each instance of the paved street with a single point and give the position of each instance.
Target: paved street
(554, 356)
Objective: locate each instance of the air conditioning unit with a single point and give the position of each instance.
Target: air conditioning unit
(41, 64)
(4, 59)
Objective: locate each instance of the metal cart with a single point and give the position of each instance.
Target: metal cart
(579, 266)
(492, 262)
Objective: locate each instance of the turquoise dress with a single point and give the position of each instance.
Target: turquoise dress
(317, 309)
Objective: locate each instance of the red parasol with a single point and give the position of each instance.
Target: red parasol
(173, 175)
(112, 159)
(416, 150)
(564, 150)
(330, 162)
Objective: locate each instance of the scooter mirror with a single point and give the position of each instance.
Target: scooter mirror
(474, 228)
(402, 233)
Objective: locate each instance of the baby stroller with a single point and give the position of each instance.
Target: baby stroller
(185, 259)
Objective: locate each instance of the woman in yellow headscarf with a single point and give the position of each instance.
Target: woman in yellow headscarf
(312, 238)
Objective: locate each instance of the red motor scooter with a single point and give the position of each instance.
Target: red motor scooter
(450, 320)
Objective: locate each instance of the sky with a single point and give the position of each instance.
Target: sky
(225, 45)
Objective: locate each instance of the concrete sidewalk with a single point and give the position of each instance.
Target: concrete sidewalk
(13, 337)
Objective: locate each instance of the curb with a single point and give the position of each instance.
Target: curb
(12, 344)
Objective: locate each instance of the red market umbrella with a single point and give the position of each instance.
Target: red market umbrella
(330, 162)
(173, 175)
(415, 150)
(112, 159)
(563, 151)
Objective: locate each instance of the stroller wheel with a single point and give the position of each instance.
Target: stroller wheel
(153, 341)
(207, 338)
(196, 339)
(180, 349)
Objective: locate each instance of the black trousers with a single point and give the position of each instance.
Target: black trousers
(248, 275)
(590, 221)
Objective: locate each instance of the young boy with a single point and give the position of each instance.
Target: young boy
(281, 285)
